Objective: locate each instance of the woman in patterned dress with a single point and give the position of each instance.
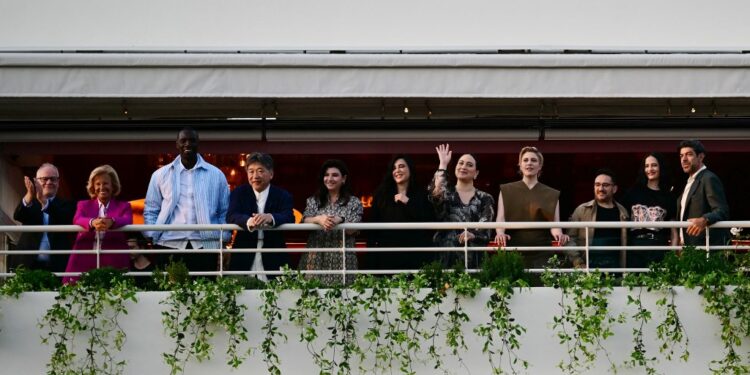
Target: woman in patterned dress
(461, 202)
(333, 204)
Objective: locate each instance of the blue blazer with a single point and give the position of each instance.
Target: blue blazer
(242, 206)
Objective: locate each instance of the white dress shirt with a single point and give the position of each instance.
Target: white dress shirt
(683, 200)
(260, 198)
(44, 243)
(184, 213)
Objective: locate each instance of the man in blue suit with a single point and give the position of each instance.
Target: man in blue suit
(255, 206)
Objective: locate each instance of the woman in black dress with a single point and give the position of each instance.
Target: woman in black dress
(650, 200)
(399, 199)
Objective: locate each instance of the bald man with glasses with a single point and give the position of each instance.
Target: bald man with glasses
(41, 206)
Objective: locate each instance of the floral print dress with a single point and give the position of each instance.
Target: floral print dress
(351, 212)
(449, 208)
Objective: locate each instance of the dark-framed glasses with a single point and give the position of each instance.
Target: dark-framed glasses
(45, 180)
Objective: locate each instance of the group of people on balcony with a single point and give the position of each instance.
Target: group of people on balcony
(190, 190)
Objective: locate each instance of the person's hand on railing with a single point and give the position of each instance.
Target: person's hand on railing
(259, 220)
(561, 238)
(697, 226)
(327, 221)
(101, 224)
(502, 239)
(465, 237)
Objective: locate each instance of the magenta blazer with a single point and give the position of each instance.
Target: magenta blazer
(122, 214)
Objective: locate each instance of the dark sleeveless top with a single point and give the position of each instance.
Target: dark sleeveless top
(524, 204)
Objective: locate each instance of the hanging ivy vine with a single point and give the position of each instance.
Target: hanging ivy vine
(411, 320)
(584, 321)
(195, 308)
(503, 272)
(271, 313)
(83, 324)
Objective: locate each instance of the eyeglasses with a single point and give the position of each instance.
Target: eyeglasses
(604, 185)
(45, 180)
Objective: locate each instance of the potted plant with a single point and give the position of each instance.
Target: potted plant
(740, 240)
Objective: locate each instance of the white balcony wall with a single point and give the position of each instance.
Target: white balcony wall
(22, 353)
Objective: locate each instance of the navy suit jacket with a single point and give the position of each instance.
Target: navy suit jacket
(242, 206)
(705, 199)
(60, 212)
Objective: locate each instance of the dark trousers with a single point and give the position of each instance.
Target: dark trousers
(644, 258)
(605, 258)
(193, 261)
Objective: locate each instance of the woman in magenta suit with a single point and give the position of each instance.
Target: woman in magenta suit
(98, 214)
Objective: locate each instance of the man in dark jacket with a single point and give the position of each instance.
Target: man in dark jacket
(703, 202)
(41, 206)
(255, 206)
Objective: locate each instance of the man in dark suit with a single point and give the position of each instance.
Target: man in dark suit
(41, 206)
(703, 202)
(255, 206)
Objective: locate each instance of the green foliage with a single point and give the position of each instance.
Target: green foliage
(271, 315)
(723, 283)
(503, 265)
(337, 353)
(412, 319)
(88, 312)
(502, 333)
(670, 332)
(639, 357)
(248, 282)
(195, 309)
(692, 268)
(584, 321)
(375, 299)
(29, 281)
(397, 309)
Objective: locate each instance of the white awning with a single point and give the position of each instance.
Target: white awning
(268, 76)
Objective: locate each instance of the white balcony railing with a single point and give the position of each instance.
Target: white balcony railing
(586, 247)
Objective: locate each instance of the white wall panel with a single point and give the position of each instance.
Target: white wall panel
(22, 353)
(382, 25)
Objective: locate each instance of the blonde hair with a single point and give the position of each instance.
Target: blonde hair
(536, 151)
(531, 149)
(101, 170)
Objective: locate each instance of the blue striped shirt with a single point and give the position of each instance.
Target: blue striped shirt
(211, 192)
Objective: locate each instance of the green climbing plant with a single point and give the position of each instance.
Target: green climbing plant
(584, 321)
(83, 324)
(194, 309)
(503, 272)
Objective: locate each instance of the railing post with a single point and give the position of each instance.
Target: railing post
(708, 243)
(98, 247)
(587, 249)
(343, 256)
(466, 248)
(221, 252)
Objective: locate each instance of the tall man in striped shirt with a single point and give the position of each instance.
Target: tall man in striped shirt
(188, 191)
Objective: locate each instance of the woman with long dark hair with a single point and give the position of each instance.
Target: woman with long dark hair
(333, 204)
(650, 200)
(460, 202)
(399, 199)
